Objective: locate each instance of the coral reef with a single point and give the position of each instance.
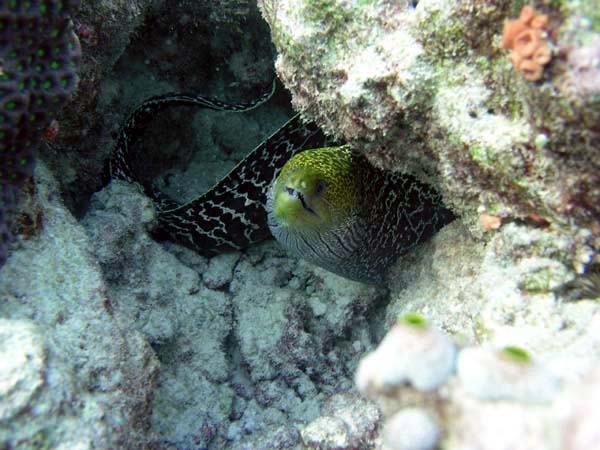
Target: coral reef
(495, 299)
(225, 383)
(260, 351)
(39, 55)
(223, 377)
(73, 374)
(496, 398)
(427, 88)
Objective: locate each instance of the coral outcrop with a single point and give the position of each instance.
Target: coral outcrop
(499, 398)
(73, 374)
(248, 343)
(426, 87)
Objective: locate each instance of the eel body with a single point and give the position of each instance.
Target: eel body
(328, 205)
(231, 215)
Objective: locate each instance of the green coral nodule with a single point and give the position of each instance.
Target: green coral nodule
(516, 354)
(414, 320)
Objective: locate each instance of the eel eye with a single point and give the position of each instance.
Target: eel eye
(320, 187)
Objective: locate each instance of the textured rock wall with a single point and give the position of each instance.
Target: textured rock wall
(74, 374)
(426, 86)
(249, 344)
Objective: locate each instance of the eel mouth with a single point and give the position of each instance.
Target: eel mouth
(294, 193)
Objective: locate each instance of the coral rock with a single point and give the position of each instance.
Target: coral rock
(505, 375)
(22, 366)
(326, 433)
(411, 429)
(418, 355)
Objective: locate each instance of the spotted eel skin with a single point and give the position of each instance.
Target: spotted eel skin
(231, 215)
(333, 208)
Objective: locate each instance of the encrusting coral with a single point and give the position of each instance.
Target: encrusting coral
(38, 73)
(411, 429)
(526, 38)
(506, 374)
(412, 353)
(424, 88)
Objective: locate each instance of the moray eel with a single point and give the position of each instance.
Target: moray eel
(328, 205)
(333, 208)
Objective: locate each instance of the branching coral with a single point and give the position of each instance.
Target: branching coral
(39, 52)
(526, 38)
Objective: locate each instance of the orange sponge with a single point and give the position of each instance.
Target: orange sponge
(526, 38)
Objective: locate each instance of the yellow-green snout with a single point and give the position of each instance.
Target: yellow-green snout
(315, 189)
(297, 202)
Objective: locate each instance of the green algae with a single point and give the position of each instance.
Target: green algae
(516, 354)
(442, 38)
(414, 320)
(327, 12)
(538, 282)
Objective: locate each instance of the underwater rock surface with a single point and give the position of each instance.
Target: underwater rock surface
(110, 339)
(258, 348)
(426, 86)
(73, 372)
